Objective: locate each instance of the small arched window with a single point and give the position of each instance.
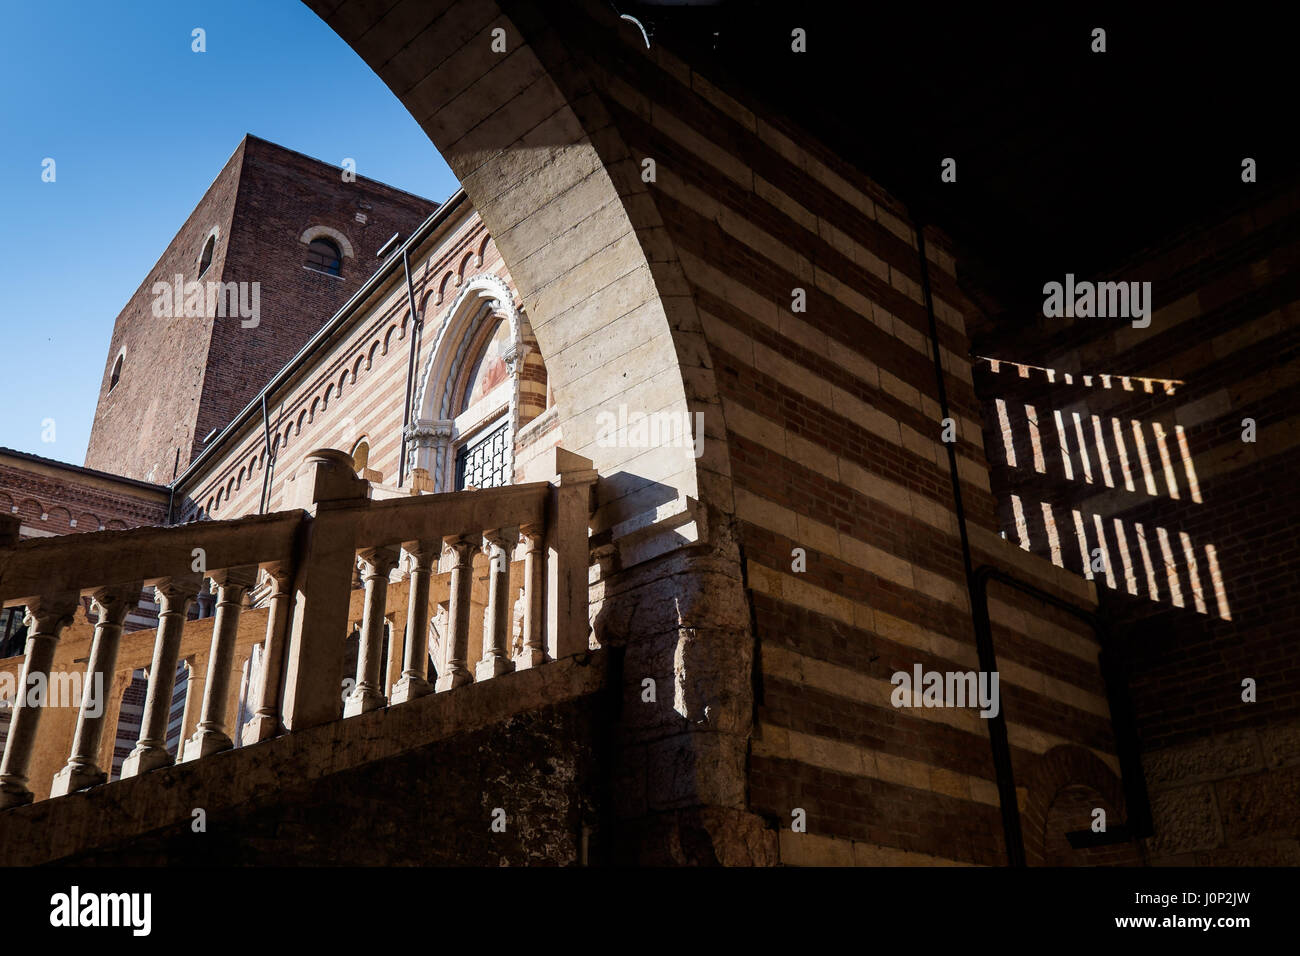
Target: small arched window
(205, 260)
(324, 256)
(361, 455)
(117, 373)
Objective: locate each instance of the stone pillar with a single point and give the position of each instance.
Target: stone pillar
(455, 673)
(211, 735)
(174, 596)
(414, 681)
(204, 601)
(533, 652)
(46, 618)
(265, 722)
(112, 604)
(190, 712)
(496, 620)
(324, 485)
(368, 695)
(568, 555)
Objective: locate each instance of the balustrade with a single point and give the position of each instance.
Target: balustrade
(306, 557)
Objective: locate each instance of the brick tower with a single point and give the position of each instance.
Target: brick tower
(180, 366)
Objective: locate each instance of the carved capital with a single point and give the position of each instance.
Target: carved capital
(51, 613)
(113, 604)
(514, 356)
(462, 546)
(429, 433)
(377, 562)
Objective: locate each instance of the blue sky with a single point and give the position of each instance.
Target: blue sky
(139, 125)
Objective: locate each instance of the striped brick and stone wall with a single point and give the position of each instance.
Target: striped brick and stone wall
(675, 294)
(1131, 444)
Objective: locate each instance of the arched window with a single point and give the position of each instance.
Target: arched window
(472, 399)
(205, 260)
(361, 455)
(117, 372)
(324, 256)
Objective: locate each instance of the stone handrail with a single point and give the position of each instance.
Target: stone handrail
(307, 557)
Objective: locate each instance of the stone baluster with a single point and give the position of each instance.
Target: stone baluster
(368, 695)
(174, 597)
(211, 735)
(46, 618)
(533, 652)
(414, 681)
(455, 673)
(266, 722)
(112, 604)
(496, 619)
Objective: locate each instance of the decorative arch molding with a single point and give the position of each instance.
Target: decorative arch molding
(318, 232)
(482, 300)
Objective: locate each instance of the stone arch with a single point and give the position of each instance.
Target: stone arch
(325, 232)
(599, 275)
(442, 289)
(1057, 775)
(465, 269)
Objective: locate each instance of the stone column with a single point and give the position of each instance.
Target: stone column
(456, 673)
(533, 652)
(414, 681)
(174, 596)
(496, 620)
(46, 618)
(266, 723)
(211, 735)
(204, 601)
(376, 564)
(112, 604)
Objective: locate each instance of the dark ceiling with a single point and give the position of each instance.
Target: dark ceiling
(1067, 160)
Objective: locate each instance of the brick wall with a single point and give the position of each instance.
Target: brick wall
(1201, 572)
(262, 202)
(832, 430)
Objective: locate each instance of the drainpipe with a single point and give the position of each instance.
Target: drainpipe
(1137, 802)
(417, 326)
(266, 472)
(1011, 832)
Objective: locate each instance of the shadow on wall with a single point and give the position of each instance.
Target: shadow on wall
(1129, 464)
